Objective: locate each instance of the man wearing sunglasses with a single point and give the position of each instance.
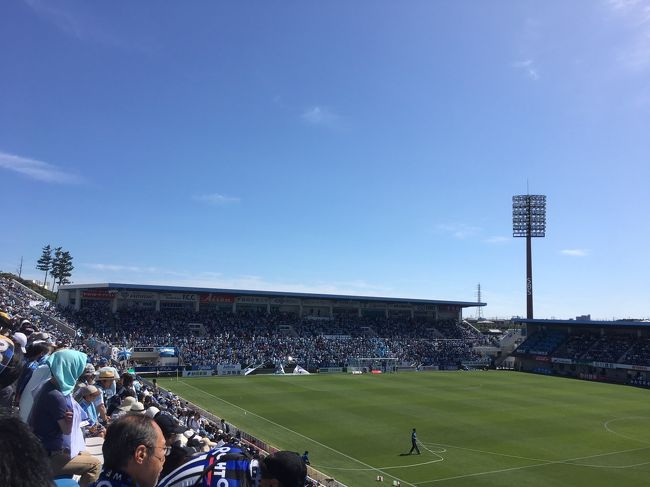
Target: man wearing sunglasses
(134, 453)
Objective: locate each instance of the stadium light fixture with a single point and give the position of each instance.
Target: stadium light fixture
(529, 220)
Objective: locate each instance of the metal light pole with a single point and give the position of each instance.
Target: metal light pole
(529, 220)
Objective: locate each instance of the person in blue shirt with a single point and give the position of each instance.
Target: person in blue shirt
(414, 442)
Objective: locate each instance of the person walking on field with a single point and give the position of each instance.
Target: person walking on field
(414, 442)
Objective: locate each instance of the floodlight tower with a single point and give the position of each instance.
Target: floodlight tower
(529, 220)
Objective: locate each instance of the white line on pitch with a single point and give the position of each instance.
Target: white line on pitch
(300, 434)
(550, 462)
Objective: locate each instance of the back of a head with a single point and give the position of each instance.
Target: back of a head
(35, 350)
(22, 461)
(123, 436)
(287, 467)
(217, 467)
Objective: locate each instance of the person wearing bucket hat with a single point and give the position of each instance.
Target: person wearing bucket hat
(124, 407)
(136, 408)
(106, 384)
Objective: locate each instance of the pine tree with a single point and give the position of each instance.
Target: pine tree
(45, 262)
(55, 268)
(66, 268)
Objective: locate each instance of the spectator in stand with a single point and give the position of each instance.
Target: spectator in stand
(88, 396)
(194, 421)
(21, 460)
(36, 355)
(123, 408)
(20, 340)
(134, 453)
(88, 379)
(11, 366)
(40, 376)
(106, 386)
(125, 387)
(281, 469)
(56, 423)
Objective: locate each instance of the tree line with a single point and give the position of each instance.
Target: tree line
(57, 264)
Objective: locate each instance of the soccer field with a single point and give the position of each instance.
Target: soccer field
(492, 428)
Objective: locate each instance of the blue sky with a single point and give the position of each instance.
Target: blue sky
(365, 147)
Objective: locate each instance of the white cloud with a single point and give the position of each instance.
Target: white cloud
(459, 230)
(575, 252)
(82, 26)
(39, 170)
(215, 199)
(120, 268)
(208, 279)
(624, 5)
(634, 48)
(319, 115)
(528, 67)
(497, 239)
(129, 270)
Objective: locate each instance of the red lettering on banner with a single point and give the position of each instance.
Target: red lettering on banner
(217, 298)
(97, 294)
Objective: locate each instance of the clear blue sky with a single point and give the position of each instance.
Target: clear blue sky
(363, 147)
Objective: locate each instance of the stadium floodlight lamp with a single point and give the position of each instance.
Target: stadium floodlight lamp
(529, 215)
(529, 220)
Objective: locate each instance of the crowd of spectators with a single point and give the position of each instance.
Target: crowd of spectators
(59, 391)
(260, 338)
(589, 346)
(638, 353)
(54, 397)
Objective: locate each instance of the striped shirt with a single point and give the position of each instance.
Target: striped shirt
(221, 467)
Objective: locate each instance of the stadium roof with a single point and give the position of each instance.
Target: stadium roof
(587, 323)
(242, 292)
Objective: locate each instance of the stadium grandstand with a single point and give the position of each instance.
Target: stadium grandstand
(125, 336)
(122, 332)
(227, 331)
(608, 351)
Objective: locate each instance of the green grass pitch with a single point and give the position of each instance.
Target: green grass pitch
(477, 429)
